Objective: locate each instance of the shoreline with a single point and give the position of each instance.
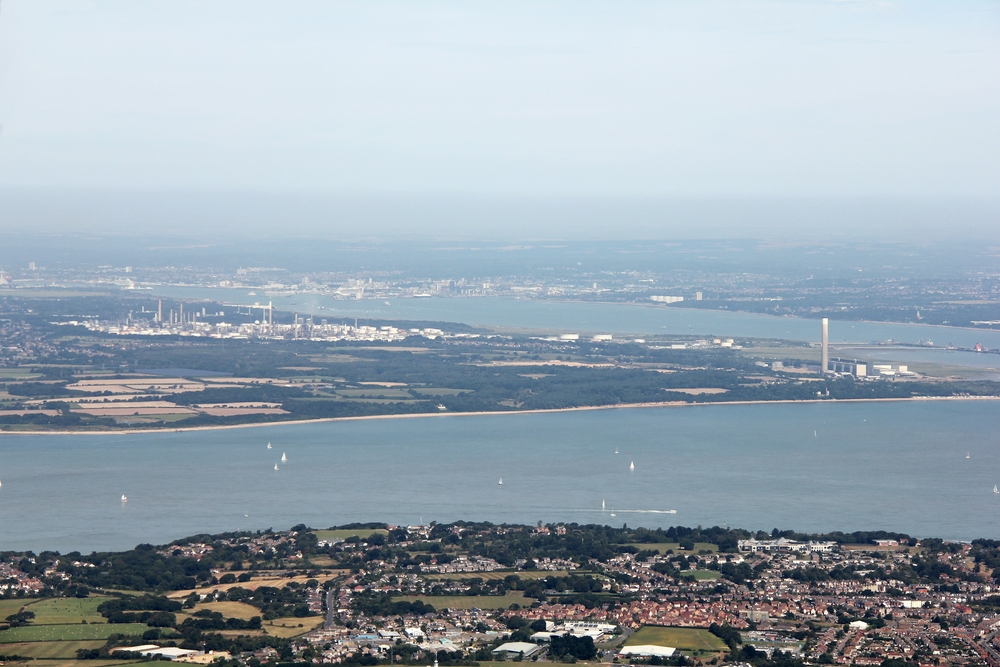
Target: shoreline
(427, 415)
(637, 304)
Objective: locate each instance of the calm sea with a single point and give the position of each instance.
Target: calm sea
(815, 467)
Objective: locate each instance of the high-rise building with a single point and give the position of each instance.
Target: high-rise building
(824, 366)
(159, 311)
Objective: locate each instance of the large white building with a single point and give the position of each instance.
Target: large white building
(647, 651)
(515, 649)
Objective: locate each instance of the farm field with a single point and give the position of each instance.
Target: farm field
(276, 582)
(18, 374)
(49, 650)
(61, 662)
(49, 633)
(58, 611)
(8, 607)
(231, 609)
(469, 601)
(687, 640)
(663, 547)
(289, 627)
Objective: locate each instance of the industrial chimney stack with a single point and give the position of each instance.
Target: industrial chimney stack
(825, 360)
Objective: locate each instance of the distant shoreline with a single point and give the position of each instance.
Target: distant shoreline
(423, 415)
(655, 306)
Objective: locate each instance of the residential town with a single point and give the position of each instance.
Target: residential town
(464, 593)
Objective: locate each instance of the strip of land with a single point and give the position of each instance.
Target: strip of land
(423, 415)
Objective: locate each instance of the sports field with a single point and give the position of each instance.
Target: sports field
(686, 640)
(76, 632)
(469, 601)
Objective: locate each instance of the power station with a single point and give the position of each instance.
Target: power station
(824, 364)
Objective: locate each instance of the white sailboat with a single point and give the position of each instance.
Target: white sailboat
(269, 445)
(602, 505)
(967, 455)
(612, 511)
(275, 466)
(814, 434)
(500, 482)
(124, 498)
(616, 450)
(283, 457)
(995, 489)
(631, 466)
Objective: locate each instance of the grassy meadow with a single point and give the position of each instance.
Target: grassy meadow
(75, 632)
(686, 640)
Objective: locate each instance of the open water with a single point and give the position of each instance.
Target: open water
(613, 318)
(896, 466)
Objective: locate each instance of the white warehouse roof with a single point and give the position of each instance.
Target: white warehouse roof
(647, 650)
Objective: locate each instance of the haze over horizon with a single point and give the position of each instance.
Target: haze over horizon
(808, 120)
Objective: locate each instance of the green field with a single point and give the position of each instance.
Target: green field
(344, 534)
(76, 632)
(18, 374)
(469, 601)
(60, 611)
(8, 607)
(64, 662)
(702, 575)
(687, 640)
(49, 650)
(663, 547)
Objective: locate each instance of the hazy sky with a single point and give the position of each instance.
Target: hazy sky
(636, 98)
(512, 106)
